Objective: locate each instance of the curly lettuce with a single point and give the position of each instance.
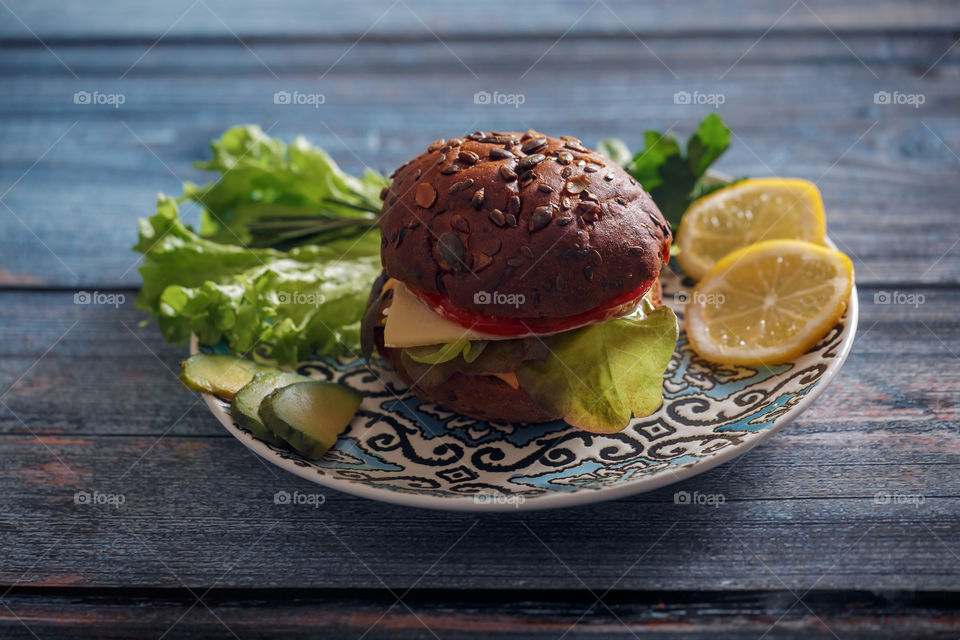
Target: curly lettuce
(291, 304)
(287, 249)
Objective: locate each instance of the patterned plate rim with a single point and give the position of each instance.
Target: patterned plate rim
(557, 500)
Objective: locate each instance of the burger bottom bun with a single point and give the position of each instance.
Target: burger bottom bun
(481, 396)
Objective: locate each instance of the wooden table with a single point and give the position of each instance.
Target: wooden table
(800, 549)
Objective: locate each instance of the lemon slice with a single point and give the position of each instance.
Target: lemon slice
(768, 303)
(745, 213)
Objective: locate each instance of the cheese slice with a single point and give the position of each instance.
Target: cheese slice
(411, 323)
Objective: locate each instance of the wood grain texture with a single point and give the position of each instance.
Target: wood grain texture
(58, 19)
(180, 524)
(800, 107)
(100, 412)
(513, 613)
(91, 403)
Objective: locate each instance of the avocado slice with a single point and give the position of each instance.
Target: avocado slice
(220, 374)
(310, 415)
(246, 404)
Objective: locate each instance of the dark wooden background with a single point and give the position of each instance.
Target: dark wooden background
(800, 548)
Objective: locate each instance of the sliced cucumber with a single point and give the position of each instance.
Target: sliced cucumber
(220, 374)
(246, 405)
(310, 415)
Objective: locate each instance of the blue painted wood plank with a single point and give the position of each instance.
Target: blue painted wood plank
(887, 171)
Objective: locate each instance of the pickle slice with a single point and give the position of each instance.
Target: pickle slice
(310, 415)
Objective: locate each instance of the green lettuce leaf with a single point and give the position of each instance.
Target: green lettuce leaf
(467, 349)
(273, 194)
(598, 376)
(289, 304)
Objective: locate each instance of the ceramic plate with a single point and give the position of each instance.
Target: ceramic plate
(403, 450)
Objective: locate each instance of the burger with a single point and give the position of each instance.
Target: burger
(520, 283)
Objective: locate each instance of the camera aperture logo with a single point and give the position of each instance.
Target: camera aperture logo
(485, 497)
(496, 298)
(699, 298)
(497, 98)
(96, 97)
(897, 498)
(99, 298)
(699, 98)
(911, 99)
(299, 499)
(114, 500)
(699, 499)
(299, 98)
(301, 298)
(898, 297)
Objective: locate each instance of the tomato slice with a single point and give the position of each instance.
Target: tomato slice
(518, 327)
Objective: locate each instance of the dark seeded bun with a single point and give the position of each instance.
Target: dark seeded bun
(569, 234)
(476, 396)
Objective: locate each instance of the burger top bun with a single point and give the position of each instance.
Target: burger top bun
(561, 227)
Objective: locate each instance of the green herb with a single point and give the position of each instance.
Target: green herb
(270, 194)
(598, 376)
(674, 178)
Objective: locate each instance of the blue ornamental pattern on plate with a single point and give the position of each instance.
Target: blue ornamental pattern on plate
(401, 449)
